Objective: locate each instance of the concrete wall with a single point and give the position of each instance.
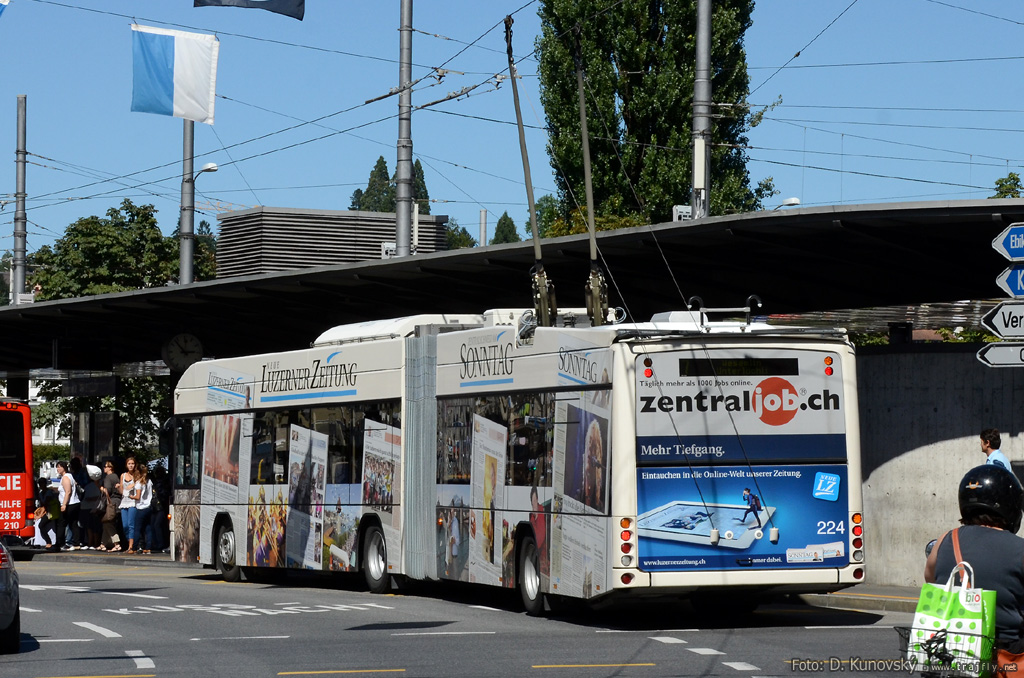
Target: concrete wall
(921, 410)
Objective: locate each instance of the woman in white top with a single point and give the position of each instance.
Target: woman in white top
(129, 496)
(143, 529)
(69, 506)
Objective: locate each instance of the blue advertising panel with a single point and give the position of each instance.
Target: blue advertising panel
(679, 506)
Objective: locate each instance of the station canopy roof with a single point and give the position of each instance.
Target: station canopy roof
(830, 262)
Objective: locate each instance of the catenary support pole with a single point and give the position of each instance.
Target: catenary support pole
(701, 199)
(403, 173)
(18, 263)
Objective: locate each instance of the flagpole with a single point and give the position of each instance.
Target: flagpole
(403, 172)
(186, 236)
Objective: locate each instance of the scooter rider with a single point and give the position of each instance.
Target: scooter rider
(991, 504)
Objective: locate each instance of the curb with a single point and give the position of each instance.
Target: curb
(147, 560)
(861, 601)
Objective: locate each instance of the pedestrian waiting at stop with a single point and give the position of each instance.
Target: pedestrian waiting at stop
(111, 520)
(70, 504)
(47, 512)
(129, 495)
(143, 508)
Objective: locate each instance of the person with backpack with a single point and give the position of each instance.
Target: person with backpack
(753, 506)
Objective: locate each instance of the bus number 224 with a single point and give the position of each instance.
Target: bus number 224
(831, 527)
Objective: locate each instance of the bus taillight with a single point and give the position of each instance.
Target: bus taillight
(627, 577)
(628, 543)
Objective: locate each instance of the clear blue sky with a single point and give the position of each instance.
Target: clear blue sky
(908, 100)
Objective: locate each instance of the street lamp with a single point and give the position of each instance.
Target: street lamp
(186, 231)
(788, 202)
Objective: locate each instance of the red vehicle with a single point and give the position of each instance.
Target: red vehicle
(17, 487)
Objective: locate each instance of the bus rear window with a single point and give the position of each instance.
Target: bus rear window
(12, 442)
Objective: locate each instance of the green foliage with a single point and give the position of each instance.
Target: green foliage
(457, 236)
(381, 191)
(41, 453)
(869, 338)
(142, 406)
(379, 195)
(577, 222)
(966, 335)
(505, 231)
(123, 251)
(419, 188)
(638, 57)
(1008, 187)
(546, 208)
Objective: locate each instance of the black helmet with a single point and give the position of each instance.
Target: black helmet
(993, 490)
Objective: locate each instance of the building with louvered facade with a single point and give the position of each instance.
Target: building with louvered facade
(270, 239)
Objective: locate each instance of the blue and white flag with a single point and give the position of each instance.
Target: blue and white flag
(293, 8)
(3, 5)
(174, 73)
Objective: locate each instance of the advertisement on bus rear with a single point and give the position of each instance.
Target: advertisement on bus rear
(730, 406)
(679, 507)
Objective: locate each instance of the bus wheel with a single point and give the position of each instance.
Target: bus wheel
(529, 577)
(229, 569)
(375, 560)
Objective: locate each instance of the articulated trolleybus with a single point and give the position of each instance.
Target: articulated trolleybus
(679, 456)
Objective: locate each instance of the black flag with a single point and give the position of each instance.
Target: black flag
(292, 8)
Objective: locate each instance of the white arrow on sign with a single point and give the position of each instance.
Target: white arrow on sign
(1006, 320)
(1003, 354)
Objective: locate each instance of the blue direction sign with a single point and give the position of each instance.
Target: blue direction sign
(1010, 243)
(1011, 280)
(1002, 354)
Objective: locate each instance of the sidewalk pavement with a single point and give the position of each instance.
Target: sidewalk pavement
(861, 597)
(868, 597)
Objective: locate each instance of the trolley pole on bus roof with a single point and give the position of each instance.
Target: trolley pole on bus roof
(403, 172)
(595, 290)
(19, 261)
(543, 288)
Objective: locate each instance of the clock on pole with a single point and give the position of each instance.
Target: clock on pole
(181, 351)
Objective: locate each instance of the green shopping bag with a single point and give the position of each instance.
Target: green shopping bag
(953, 627)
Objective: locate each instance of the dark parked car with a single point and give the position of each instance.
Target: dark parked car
(10, 604)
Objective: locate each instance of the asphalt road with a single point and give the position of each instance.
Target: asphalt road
(99, 619)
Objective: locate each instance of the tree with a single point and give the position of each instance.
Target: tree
(379, 195)
(457, 236)
(123, 251)
(381, 190)
(141, 406)
(546, 208)
(1008, 187)
(505, 231)
(419, 188)
(638, 57)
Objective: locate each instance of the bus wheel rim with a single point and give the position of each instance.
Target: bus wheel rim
(227, 547)
(531, 578)
(376, 562)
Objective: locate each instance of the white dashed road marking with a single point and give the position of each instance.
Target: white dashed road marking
(704, 650)
(107, 633)
(141, 660)
(741, 666)
(667, 639)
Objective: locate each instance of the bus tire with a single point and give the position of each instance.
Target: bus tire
(529, 577)
(225, 550)
(375, 560)
(10, 638)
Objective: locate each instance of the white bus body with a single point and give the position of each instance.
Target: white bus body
(660, 458)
